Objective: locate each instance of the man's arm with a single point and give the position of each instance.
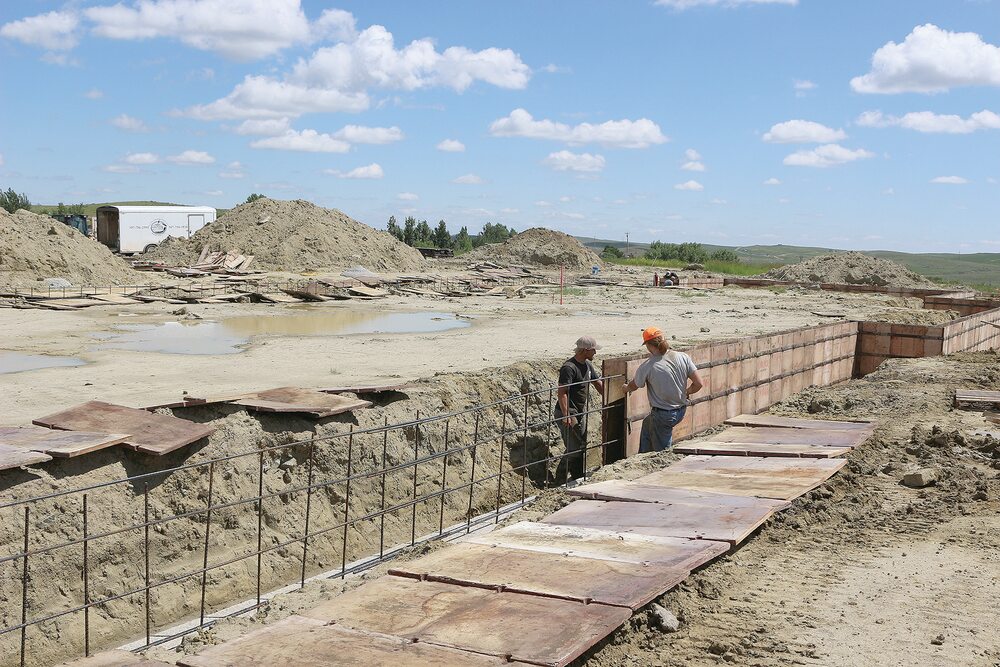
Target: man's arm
(696, 383)
(562, 395)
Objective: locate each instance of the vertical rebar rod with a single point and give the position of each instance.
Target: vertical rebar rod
(444, 478)
(260, 516)
(524, 451)
(347, 504)
(305, 531)
(24, 586)
(503, 446)
(145, 552)
(86, 581)
(413, 508)
(381, 530)
(208, 530)
(472, 479)
(548, 440)
(586, 442)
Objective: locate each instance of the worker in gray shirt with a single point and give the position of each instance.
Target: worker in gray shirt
(665, 376)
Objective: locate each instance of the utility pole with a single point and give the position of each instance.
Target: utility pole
(626, 244)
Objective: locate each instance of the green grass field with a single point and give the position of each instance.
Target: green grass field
(730, 268)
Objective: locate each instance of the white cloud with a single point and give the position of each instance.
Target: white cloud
(371, 171)
(192, 158)
(718, 202)
(888, 192)
(142, 158)
(233, 170)
(213, 193)
(1, 159)
(121, 169)
(784, 200)
(693, 166)
(357, 134)
(469, 179)
(307, 141)
(691, 186)
(692, 155)
(55, 31)
(931, 60)
(930, 122)
(451, 146)
(129, 124)
(826, 156)
(772, 181)
(337, 78)
(407, 196)
(949, 180)
(94, 94)
(688, 4)
(640, 133)
(543, 204)
(267, 127)
(804, 85)
(802, 132)
(509, 211)
(336, 25)
(579, 162)
(565, 199)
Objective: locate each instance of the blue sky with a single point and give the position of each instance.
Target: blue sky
(847, 123)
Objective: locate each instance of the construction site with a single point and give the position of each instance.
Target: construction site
(291, 438)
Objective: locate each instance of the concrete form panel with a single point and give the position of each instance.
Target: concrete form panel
(776, 421)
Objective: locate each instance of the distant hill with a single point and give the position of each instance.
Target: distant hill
(972, 269)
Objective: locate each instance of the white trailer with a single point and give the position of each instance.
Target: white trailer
(132, 229)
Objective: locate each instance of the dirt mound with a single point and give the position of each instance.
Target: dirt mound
(294, 236)
(539, 247)
(852, 268)
(35, 247)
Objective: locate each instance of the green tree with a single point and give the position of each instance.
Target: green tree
(393, 228)
(254, 197)
(410, 231)
(493, 233)
(684, 252)
(442, 238)
(425, 237)
(60, 210)
(10, 201)
(463, 242)
(725, 255)
(611, 252)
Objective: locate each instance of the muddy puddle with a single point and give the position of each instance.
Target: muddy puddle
(17, 362)
(233, 334)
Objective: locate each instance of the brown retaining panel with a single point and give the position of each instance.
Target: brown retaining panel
(963, 306)
(702, 283)
(844, 287)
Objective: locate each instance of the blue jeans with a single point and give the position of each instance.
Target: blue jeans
(658, 429)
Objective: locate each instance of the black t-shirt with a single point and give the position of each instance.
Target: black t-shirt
(572, 372)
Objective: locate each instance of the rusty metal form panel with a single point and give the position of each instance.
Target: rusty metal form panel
(775, 477)
(58, 443)
(761, 449)
(640, 492)
(610, 545)
(298, 641)
(792, 436)
(588, 580)
(307, 401)
(115, 659)
(792, 422)
(15, 457)
(526, 628)
(695, 520)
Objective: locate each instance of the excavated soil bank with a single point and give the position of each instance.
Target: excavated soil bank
(35, 247)
(539, 247)
(852, 268)
(293, 236)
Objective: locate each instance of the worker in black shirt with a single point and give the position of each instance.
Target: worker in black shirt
(575, 378)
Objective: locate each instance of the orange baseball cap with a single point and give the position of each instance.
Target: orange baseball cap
(649, 333)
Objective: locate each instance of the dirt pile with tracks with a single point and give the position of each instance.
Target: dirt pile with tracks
(539, 247)
(35, 247)
(852, 268)
(293, 236)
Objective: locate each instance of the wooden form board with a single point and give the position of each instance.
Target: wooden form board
(792, 422)
(845, 287)
(115, 659)
(972, 333)
(591, 543)
(760, 449)
(775, 477)
(695, 520)
(591, 580)
(298, 641)
(791, 436)
(58, 443)
(15, 457)
(151, 433)
(641, 492)
(307, 401)
(528, 628)
(964, 396)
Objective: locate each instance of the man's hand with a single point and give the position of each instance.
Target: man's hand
(625, 387)
(569, 421)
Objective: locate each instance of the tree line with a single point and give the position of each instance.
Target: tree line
(689, 253)
(421, 235)
(10, 201)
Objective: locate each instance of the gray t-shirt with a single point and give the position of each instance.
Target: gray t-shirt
(665, 377)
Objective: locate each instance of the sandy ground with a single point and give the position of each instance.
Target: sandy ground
(504, 331)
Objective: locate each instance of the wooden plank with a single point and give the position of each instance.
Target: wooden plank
(760, 449)
(115, 659)
(298, 641)
(58, 443)
(589, 543)
(976, 396)
(551, 575)
(360, 290)
(701, 520)
(791, 436)
(642, 492)
(364, 389)
(151, 433)
(15, 457)
(528, 628)
(308, 401)
(113, 299)
(791, 422)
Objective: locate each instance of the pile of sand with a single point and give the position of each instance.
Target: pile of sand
(539, 247)
(293, 236)
(35, 247)
(853, 268)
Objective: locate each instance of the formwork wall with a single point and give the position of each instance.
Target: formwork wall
(973, 333)
(703, 283)
(845, 287)
(961, 305)
(742, 376)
